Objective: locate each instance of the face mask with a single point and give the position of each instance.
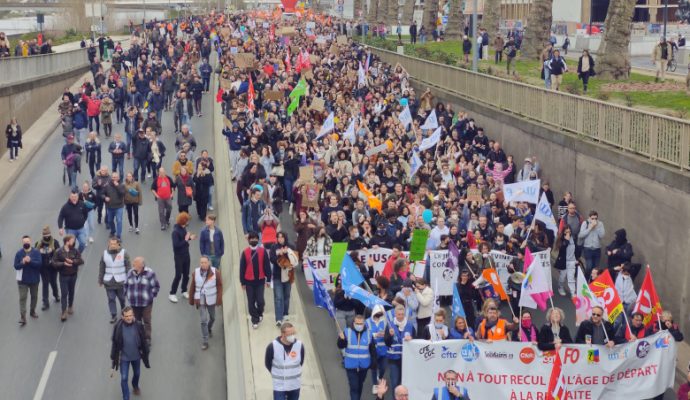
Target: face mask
(359, 327)
(253, 243)
(290, 339)
(27, 246)
(439, 326)
(527, 323)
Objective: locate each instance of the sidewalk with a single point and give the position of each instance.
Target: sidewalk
(76, 45)
(640, 64)
(253, 342)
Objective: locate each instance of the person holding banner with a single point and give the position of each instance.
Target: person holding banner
(596, 330)
(401, 330)
(425, 296)
(344, 305)
(438, 330)
(666, 324)
(493, 328)
(460, 330)
(554, 333)
(527, 331)
(360, 355)
(469, 296)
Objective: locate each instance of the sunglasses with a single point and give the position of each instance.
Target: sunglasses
(596, 315)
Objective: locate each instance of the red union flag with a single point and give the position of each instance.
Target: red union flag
(604, 290)
(250, 95)
(648, 303)
(557, 388)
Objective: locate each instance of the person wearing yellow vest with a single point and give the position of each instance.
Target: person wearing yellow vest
(493, 328)
(207, 290)
(360, 355)
(284, 358)
(112, 273)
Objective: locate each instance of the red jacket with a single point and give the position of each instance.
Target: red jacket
(93, 106)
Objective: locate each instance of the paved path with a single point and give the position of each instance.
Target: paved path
(180, 370)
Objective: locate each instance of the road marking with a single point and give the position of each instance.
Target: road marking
(44, 377)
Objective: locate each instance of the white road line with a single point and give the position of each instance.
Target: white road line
(44, 377)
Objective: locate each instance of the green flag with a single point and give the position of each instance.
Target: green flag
(455, 120)
(293, 106)
(299, 90)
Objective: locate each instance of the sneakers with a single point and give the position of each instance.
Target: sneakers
(261, 318)
(286, 317)
(136, 230)
(136, 391)
(279, 323)
(131, 229)
(90, 239)
(70, 311)
(210, 333)
(63, 317)
(162, 227)
(204, 346)
(210, 208)
(22, 320)
(149, 175)
(172, 298)
(255, 326)
(33, 314)
(113, 319)
(45, 306)
(561, 291)
(185, 295)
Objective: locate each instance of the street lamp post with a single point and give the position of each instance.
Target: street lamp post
(591, 11)
(475, 51)
(665, 16)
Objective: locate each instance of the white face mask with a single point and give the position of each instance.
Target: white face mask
(359, 327)
(290, 339)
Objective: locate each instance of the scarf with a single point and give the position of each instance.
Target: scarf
(400, 324)
(531, 330)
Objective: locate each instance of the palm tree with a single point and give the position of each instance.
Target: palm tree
(456, 21)
(393, 10)
(408, 11)
(615, 55)
(383, 11)
(430, 15)
(491, 17)
(538, 28)
(372, 13)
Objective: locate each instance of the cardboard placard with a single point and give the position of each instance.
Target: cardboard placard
(334, 49)
(341, 39)
(244, 60)
(287, 31)
(225, 83)
(474, 194)
(318, 104)
(225, 32)
(273, 95)
(227, 122)
(310, 195)
(233, 42)
(306, 174)
(295, 50)
(308, 73)
(315, 60)
(320, 39)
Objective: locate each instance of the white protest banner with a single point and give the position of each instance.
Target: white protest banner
(522, 191)
(327, 126)
(320, 266)
(431, 141)
(544, 258)
(405, 117)
(502, 260)
(439, 271)
(431, 122)
(511, 370)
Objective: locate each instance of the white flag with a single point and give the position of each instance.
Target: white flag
(415, 164)
(327, 126)
(535, 290)
(545, 215)
(350, 132)
(431, 121)
(405, 117)
(522, 191)
(584, 299)
(362, 76)
(431, 140)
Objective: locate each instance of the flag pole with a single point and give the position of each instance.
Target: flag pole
(658, 319)
(625, 317)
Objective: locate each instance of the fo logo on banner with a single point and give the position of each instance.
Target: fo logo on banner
(643, 349)
(527, 355)
(469, 352)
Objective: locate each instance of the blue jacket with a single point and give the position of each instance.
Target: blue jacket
(205, 242)
(395, 349)
(357, 354)
(156, 101)
(205, 70)
(250, 217)
(444, 394)
(31, 272)
(374, 328)
(236, 138)
(80, 120)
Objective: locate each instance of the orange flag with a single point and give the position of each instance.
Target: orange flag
(374, 202)
(491, 276)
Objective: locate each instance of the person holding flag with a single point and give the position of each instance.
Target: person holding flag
(493, 328)
(400, 330)
(596, 330)
(360, 354)
(460, 329)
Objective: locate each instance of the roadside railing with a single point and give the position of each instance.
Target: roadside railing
(655, 136)
(19, 69)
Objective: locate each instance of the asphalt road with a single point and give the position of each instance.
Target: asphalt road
(324, 333)
(81, 369)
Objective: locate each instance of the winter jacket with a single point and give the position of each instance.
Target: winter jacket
(72, 216)
(30, 272)
(61, 255)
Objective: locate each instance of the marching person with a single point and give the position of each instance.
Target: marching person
(207, 289)
(284, 359)
(554, 333)
(360, 349)
(67, 260)
(255, 273)
(114, 198)
(376, 324)
(493, 328)
(112, 274)
(596, 330)
(47, 246)
(211, 242)
(162, 189)
(399, 393)
(180, 243)
(133, 200)
(284, 261)
(72, 219)
(129, 347)
(14, 138)
(27, 263)
(141, 287)
(400, 331)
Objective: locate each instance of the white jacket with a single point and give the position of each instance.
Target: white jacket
(426, 303)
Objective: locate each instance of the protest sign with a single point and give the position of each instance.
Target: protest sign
(318, 104)
(287, 31)
(306, 173)
(501, 261)
(418, 245)
(225, 83)
(544, 259)
(338, 251)
(379, 257)
(341, 40)
(474, 193)
(320, 266)
(310, 195)
(641, 369)
(440, 275)
(272, 95)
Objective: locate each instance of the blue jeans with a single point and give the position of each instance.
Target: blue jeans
(289, 395)
(547, 78)
(592, 258)
(289, 183)
(90, 225)
(395, 367)
(118, 165)
(124, 376)
(356, 378)
(206, 82)
(281, 298)
(211, 189)
(81, 235)
(113, 220)
(380, 371)
(139, 165)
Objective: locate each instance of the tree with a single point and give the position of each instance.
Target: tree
(456, 21)
(408, 12)
(430, 15)
(491, 17)
(393, 11)
(538, 29)
(383, 12)
(614, 62)
(372, 13)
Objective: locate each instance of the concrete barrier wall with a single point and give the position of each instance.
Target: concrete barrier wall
(650, 201)
(28, 100)
(20, 69)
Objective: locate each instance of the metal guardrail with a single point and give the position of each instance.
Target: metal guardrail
(19, 69)
(655, 136)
